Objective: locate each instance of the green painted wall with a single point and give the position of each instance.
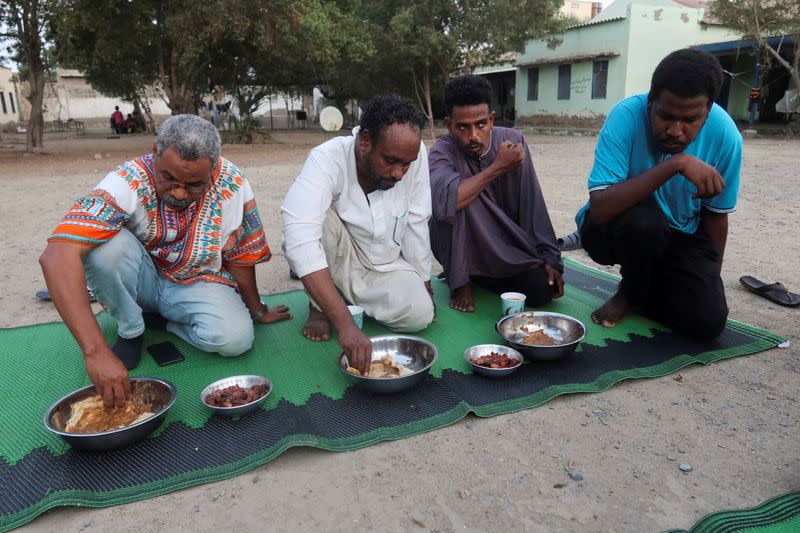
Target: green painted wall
(650, 30)
(738, 100)
(657, 31)
(587, 40)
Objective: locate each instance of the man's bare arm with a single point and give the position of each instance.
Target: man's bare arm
(62, 265)
(245, 276)
(607, 204)
(509, 157)
(716, 226)
(354, 342)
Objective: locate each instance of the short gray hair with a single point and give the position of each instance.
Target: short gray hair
(191, 137)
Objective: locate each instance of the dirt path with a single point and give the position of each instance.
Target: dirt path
(736, 422)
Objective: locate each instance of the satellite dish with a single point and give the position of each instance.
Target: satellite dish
(331, 119)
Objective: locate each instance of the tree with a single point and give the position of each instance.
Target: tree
(29, 24)
(289, 54)
(422, 43)
(485, 30)
(125, 46)
(91, 41)
(761, 19)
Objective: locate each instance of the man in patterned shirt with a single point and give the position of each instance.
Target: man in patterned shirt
(175, 233)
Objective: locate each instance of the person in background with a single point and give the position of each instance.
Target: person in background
(118, 121)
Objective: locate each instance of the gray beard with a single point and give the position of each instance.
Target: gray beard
(174, 203)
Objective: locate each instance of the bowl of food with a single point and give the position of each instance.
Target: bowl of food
(541, 335)
(493, 360)
(81, 419)
(399, 362)
(236, 395)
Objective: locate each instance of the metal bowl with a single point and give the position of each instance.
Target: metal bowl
(243, 381)
(567, 331)
(485, 349)
(161, 394)
(412, 352)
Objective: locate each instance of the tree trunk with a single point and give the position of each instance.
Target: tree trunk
(181, 103)
(143, 103)
(36, 83)
(423, 92)
(426, 87)
(796, 69)
(785, 64)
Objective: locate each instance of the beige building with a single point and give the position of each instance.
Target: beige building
(10, 108)
(580, 10)
(69, 96)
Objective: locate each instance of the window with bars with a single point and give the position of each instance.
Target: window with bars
(533, 84)
(599, 79)
(564, 81)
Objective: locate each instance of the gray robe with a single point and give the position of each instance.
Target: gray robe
(504, 231)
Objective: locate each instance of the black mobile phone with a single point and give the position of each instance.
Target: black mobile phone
(165, 353)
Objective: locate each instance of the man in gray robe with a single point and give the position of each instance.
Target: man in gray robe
(490, 224)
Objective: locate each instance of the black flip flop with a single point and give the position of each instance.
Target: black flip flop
(45, 295)
(775, 292)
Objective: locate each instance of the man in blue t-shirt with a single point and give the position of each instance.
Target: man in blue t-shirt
(665, 177)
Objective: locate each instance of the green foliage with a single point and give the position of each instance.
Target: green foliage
(27, 27)
(420, 44)
(484, 30)
(123, 46)
(759, 19)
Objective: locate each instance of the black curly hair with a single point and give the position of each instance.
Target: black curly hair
(467, 90)
(687, 73)
(387, 109)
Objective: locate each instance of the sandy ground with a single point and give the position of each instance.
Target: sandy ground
(737, 422)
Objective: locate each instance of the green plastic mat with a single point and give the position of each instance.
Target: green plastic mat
(312, 403)
(778, 515)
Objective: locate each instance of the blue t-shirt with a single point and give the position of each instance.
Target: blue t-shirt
(626, 148)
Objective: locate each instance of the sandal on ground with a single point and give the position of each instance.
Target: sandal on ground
(775, 292)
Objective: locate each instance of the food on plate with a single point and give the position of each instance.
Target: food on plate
(385, 367)
(539, 338)
(234, 396)
(91, 416)
(495, 360)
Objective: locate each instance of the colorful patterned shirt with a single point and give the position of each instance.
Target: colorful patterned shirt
(221, 228)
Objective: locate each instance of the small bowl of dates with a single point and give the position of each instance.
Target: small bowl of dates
(493, 360)
(236, 395)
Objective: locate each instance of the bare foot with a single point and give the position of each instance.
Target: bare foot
(611, 312)
(461, 299)
(317, 327)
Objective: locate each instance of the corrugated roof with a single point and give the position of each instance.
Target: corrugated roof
(594, 22)
(569, 59)
(693, 3)
(744, 44)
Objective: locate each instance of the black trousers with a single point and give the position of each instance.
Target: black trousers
(532, 283)
(670, 276)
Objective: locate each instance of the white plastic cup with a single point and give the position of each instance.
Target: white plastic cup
(512, 303)
(357, 312)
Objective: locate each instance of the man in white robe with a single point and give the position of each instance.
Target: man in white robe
(355, 224)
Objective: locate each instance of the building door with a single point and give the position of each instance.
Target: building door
(727, 63)
(775, 84)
